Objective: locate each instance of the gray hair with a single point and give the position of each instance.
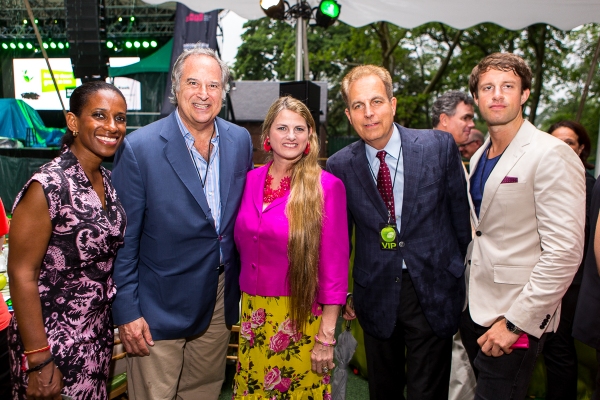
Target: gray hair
(476, 136)
(178, 69)
(447, 103)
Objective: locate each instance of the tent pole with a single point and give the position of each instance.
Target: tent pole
(39, 39)
(299, 41)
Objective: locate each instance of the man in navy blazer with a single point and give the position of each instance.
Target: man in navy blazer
(180, 180)
(409, 290)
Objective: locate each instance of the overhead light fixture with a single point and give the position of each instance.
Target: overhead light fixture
(153, 43)
(273, 8)
(4, 46)
(327, 13)
(61, 46)
(110, 44)
(21, 46)
(145, 44)
(29, 46)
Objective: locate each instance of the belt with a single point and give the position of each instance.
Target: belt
(221, 268)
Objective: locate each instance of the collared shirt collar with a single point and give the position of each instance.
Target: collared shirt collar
(392, 148)
(186, 132)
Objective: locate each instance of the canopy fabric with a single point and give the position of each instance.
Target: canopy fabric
(460, 14)
(159, 61)
(17, 117)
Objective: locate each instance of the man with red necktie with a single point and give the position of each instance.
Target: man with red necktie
(409, 212)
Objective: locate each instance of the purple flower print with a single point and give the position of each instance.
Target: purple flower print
(247, 333)
(326, 379)
(272, 379)
(258, 317)
(279, 342)
(284, 385)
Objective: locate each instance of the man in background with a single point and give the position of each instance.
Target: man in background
(473, 144)
(453, 112)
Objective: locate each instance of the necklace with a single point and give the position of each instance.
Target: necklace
(269, 194)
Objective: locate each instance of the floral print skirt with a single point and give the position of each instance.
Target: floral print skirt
(274, 358)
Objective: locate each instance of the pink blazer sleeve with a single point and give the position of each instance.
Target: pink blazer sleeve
(334, 253)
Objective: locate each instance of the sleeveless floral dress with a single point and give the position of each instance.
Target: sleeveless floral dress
(75, 283)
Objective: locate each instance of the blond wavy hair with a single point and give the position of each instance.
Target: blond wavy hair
(304, 211)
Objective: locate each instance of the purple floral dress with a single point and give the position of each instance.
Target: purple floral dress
(75, 284)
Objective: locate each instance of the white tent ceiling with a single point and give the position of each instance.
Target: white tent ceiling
(512, 14)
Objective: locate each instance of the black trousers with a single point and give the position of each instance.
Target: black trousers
(506, 377)
(5, 387)
(427, 359)
(559, 352)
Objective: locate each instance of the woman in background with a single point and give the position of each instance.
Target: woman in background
(292, 235)
(67, 225)
(559, 350)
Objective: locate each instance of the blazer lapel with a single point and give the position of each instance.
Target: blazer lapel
(227, 155)
(412, 157)
(360, 165)
(179, 157)
(257, 185)
(511, 155)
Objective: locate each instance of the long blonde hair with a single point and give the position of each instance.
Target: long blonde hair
(304, 211)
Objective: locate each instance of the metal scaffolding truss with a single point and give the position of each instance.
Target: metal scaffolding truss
(149, 20)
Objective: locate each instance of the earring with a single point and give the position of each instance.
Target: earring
(307, 149)
(267, 145)
(75, 133)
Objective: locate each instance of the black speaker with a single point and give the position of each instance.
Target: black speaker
(307, 92)
(86, 32)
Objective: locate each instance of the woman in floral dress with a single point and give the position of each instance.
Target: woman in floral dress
(292, 235)
(67, 225)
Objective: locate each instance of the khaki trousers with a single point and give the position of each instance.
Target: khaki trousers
(191, 368)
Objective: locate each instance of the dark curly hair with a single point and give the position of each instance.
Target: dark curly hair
(79, 99)
(582, 137)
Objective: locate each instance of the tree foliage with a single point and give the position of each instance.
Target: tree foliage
(427, 61)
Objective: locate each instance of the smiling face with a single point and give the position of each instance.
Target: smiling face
(499, 97)
(199, 97)
(370, 111)
(288, 136)
(460, 124)
(569, 136)
(101, 124)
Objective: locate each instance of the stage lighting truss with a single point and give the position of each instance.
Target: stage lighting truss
(325, 14)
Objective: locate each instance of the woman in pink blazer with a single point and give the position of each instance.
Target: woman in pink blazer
(291, 233)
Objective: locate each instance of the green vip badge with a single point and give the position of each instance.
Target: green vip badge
(388, 237)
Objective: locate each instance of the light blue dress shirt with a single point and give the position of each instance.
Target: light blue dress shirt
(395, 163)
(211, 187)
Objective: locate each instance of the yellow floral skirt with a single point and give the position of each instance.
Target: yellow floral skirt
(274, 358)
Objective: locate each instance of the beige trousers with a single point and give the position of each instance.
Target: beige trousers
(191, 368)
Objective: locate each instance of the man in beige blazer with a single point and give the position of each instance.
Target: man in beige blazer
(529, 195)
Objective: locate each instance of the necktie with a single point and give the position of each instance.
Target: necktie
(384, 184)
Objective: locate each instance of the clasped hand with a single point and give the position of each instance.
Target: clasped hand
(135, 337)
(321, 357)
(45, 384)
(497, 340)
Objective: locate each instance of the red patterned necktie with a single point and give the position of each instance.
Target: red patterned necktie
(384, 184)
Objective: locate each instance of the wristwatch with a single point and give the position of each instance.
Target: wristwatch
(513, 328)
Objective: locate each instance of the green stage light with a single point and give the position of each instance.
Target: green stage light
(327, 13)
(36, 20)
(67, 45)
(20, 45)
(110, 44)
(145, 44)
(52, 45)
(153, 43)
(136, 44)
(13, 46)
(61, 46)
(4, 46)
(120, 19)
(24, 22)
(128, 45)
(132, 18)
(29, 46)
(45, 45)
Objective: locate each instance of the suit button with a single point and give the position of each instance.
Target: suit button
(397, 279)
(478, 233)
(253, 266)
(401, 244)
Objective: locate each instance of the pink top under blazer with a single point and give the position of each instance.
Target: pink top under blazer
(262, 237)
